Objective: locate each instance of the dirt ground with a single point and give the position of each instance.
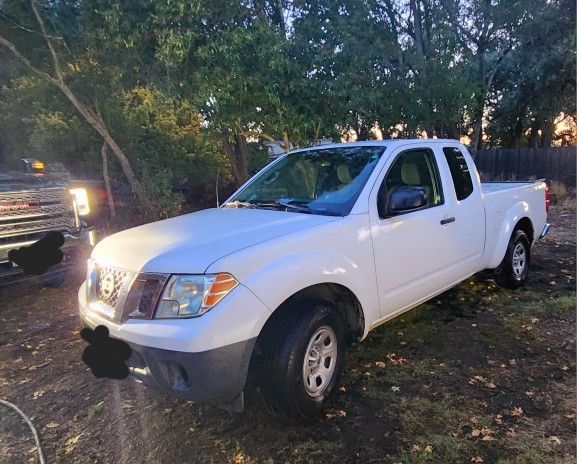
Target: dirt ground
(479, 375)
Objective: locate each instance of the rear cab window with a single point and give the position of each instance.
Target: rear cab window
(459, 172)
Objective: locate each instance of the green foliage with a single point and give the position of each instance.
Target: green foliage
(537, 81)
(187, 88)
(158, 184)
(39, 123)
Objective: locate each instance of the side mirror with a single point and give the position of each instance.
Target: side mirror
(405, 199)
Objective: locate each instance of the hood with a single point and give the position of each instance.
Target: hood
(189, 244)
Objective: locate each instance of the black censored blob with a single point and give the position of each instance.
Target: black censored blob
(104, 355)
(37, 258)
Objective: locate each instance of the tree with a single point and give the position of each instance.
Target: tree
(58, 79)
(484, 30)
(536, 84)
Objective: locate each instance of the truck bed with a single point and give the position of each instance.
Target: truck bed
(490, 187)
(522, 199)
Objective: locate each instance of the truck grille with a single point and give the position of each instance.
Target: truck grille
(31, 211)
(111, 290)
(111, 285)
(120, 295)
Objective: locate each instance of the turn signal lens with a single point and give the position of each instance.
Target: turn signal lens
(222, 284)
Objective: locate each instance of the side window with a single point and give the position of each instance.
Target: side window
(459, 172)
(414, 168)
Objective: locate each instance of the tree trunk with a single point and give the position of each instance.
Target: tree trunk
(285, 141)
(548, 133)
(104, 154)
(478, 123)
(363, 132)
(236, 151)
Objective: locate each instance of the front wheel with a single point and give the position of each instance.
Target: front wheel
(303, 355)
(514, 269)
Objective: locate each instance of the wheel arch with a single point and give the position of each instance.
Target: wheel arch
(341, 297)
(526, 226)
(516, 219)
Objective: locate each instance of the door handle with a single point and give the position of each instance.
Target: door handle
(447, 221)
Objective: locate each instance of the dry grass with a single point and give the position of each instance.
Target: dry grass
(558, 191)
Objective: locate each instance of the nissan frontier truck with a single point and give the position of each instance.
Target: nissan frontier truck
(308, 256)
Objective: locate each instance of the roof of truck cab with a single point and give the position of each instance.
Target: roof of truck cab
(389, 143)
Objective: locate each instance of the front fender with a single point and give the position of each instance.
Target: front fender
(517, 212)
(277, 280)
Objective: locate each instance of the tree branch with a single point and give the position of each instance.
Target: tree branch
(496, 67)
(455, 22)
(26, 62)
(55, 60)
(16, 25)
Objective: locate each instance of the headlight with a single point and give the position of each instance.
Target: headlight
(81, 198)
(193, 295)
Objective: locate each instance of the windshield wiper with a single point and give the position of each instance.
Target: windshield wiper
(290, 204)
(277, 204)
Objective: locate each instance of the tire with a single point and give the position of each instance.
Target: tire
(514, 269)
(301, 329)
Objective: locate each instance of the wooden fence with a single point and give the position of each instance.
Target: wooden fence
(551, 163)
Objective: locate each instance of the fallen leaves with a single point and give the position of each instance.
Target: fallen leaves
(52, 425)
(477, 459)
(39, 366)
(483, 381)
(516, 412)
(427, 449)
(392, 357)
(38, 394)
(395, 388)
(338, 413)
(554, 440)
(485, 433)
(71, 443)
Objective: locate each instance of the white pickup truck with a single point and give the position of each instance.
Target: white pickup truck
(317, 249)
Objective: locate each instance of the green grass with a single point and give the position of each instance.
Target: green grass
(433, 449)
(529, 457)
(418, 415)
(561, 305)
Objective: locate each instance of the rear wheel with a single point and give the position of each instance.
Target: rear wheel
(303, 351)
(514, 269)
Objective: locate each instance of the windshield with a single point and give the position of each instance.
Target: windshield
(325, 181)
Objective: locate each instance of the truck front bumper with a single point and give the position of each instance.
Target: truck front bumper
(216, 375)
(77, 247)
(204, 359)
